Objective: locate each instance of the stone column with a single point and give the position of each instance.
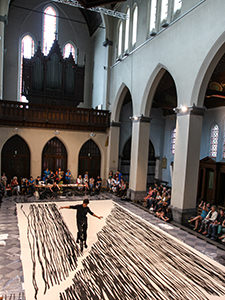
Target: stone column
(2, 28)
(139, 158)
(113, 147)
(186, 163)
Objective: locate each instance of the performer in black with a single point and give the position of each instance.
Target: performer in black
(82, 211)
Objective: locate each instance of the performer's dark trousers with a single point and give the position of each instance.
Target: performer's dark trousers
(82, 231)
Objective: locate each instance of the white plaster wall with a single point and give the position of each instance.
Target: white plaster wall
(212, 117)
(21, 22)
(73, 141)
(197, 32)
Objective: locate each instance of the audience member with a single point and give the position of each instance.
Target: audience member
(15, 186)
(210, 218)
(68, 176)
(213, 227)
(198, 219)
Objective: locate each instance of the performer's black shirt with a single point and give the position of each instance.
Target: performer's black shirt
(82, 213)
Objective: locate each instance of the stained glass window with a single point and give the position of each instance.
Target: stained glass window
(153, 15)
(135, 21)
(27, 51)
(120, 38)
(173, 141)
(214, 140)
(127, 29)
(177, 5)
(68, 48)
(50, 29)
(164, 10)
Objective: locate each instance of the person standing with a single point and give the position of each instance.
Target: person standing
(82, 224)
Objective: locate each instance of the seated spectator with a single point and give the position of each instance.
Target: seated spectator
(54, 189)
(31, 186)
(46, 174)
(165, 214)
(149, 195)
(91, 184)
(4, 182)
(205, 209)
(2, 191)
(213, 227)
(60, 175)
(122, 189)
(164, 202)
(79, 183)
(38, 180)
(98, 185)
(15, 186)
(110, 181)
(154, 201)
(51, 178)
(68, 177)
(210, 218)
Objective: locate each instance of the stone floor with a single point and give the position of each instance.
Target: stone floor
(11, 273)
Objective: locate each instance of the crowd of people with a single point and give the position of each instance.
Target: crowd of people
(116, 184)
(210, 222)
(52, 181)
(158, 202)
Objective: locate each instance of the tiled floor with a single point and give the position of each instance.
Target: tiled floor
(11, 273)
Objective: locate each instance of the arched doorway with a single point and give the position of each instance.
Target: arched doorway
(126, 112)
(125, 162)
(90, 159)
(54, 155)
(16, 158)
(162, 100)
(212, 148)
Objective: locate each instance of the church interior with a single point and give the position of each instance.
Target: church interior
(118, 106)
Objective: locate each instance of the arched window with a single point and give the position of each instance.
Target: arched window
(120, 39)
(152, 26)
(177, 5)
(173, 141)
(127, 29)
(68, 48)
(49, 28)
(214, 136)
(135, 23)
(27, 51)
(164, 10)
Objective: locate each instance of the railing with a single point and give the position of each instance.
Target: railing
(14, 113)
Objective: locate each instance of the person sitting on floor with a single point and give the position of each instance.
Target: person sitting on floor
(198, 219)
(213, 227)
(122, 189)
(210, 218)
(165, 214)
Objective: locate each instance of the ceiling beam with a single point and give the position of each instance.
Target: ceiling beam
(103, 10)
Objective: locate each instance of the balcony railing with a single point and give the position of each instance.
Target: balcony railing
(14, 113)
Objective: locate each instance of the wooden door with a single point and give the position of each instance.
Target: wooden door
(54, 155)
(90, 159)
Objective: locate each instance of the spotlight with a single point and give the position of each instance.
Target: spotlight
(183, 108)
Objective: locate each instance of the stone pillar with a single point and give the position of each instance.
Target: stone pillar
(113, 147)
(2, 28)
(139, 158)
(186, 163)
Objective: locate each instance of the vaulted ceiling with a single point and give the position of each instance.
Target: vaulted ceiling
(93, 3)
